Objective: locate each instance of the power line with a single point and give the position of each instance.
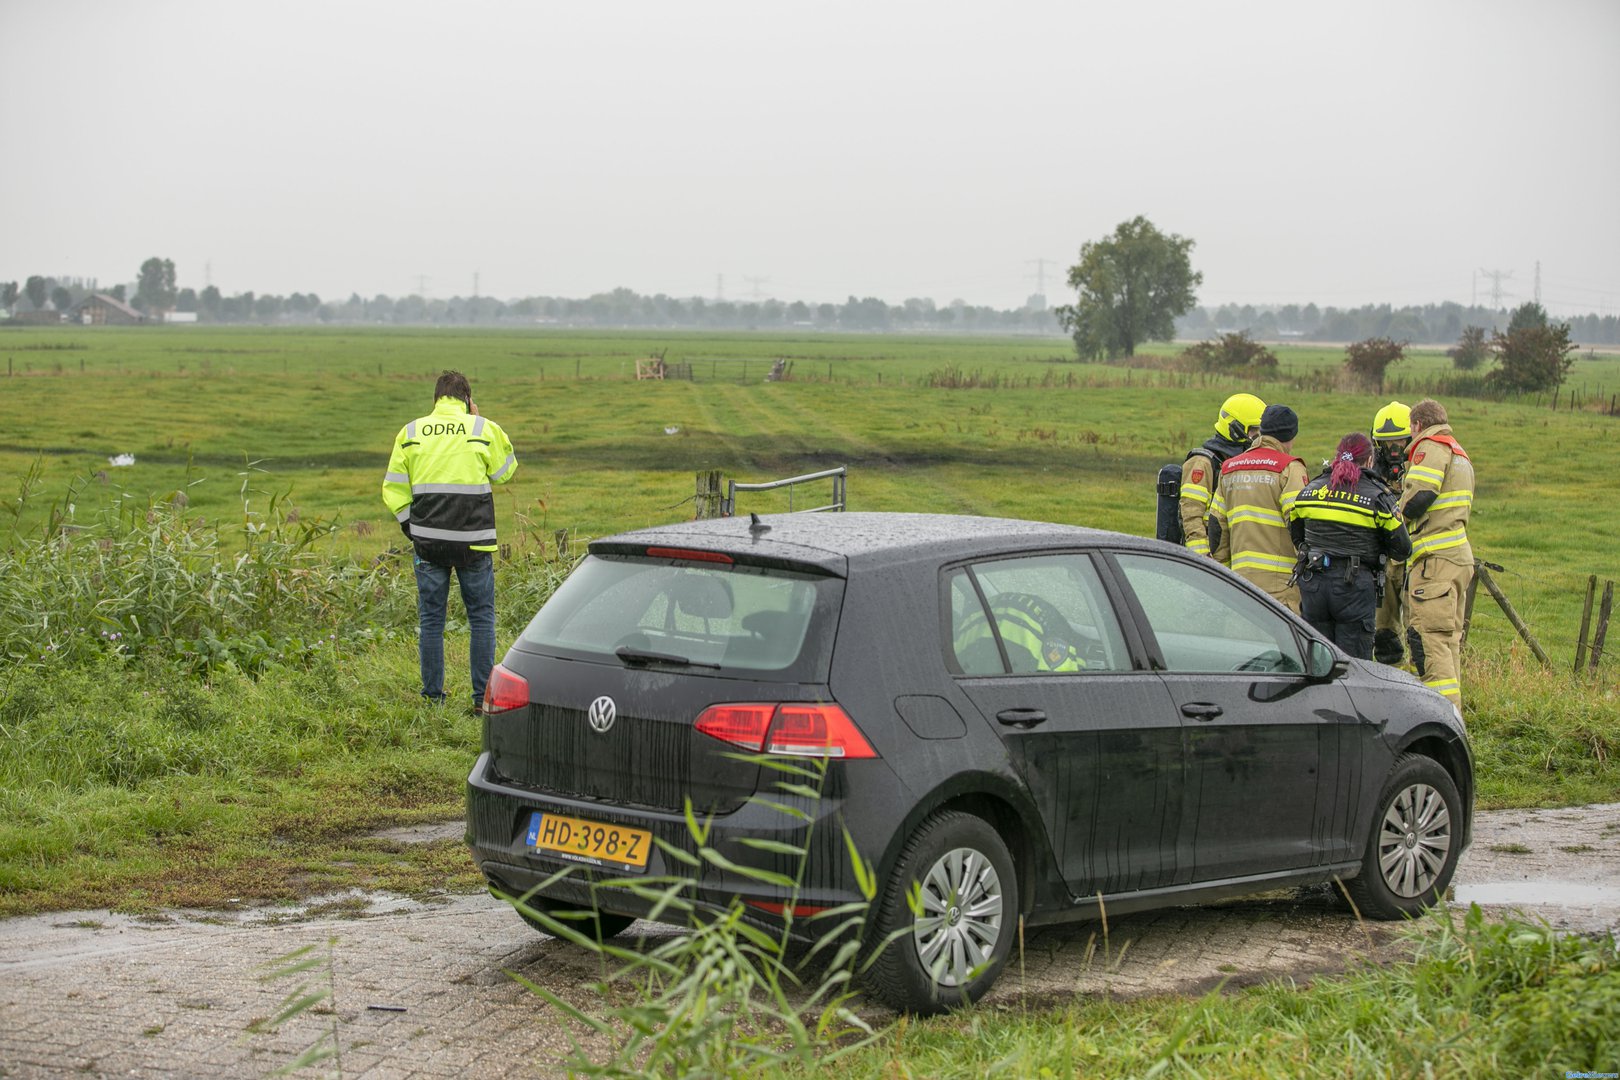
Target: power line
(1040, 273)
(1496, 278)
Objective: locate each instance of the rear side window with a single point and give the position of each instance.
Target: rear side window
(1048, 615)
(734, 618)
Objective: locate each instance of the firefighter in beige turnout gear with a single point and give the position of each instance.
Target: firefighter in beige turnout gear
(1235, 428)
(1252, 505)
(1436, 496)
(1392, 438)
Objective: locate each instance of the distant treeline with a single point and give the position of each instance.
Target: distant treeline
(619, 308)
(1431, 324)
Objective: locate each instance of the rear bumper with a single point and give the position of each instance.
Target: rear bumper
(498, 815)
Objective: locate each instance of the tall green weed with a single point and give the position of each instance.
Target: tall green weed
(142, 579)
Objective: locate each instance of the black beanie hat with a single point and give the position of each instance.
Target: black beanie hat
(1280, 422)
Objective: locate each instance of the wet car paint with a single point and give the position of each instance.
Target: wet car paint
(1116, 799)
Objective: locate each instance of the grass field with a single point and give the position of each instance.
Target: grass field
(233, 416)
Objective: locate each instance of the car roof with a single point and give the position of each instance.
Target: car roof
(832, 541)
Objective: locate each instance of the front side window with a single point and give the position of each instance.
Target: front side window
(1046, 614)
(1206, 624)
(726, 617)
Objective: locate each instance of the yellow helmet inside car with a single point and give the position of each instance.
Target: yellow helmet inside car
(1239, 413)
(1393, 421)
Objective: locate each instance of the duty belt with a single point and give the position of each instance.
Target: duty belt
(1323, 560)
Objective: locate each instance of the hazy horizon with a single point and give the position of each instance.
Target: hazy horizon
(1382, 153)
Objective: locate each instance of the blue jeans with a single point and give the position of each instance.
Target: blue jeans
(478, 597)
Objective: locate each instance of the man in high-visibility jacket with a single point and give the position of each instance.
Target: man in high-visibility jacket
(1036, 636)
(1236, 426)
(1436, 496)
(439, 488)
(1252, 504)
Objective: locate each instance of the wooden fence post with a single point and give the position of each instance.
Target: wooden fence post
(1602, 625)
(709, 495)
(1513, 616)
(1586, 624)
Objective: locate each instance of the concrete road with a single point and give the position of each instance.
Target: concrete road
(422, 990)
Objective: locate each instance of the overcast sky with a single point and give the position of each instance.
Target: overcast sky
(1344, 154)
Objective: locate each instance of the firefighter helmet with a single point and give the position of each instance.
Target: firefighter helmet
(1393, 421)
(1239, 414)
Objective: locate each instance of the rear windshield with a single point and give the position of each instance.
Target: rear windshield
(740, 619)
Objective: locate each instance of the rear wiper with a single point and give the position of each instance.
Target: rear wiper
(643, 656)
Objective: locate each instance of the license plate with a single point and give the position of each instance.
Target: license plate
(588, 842)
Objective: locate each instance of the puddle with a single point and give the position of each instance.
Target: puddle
(1537, 894)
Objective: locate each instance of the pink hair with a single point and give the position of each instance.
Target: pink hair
(1355, 450)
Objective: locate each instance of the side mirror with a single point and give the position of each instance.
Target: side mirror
(1322, 663)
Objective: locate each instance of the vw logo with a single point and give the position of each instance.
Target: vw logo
(602, 714)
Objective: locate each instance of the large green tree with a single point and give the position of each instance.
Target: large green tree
(155, 290)
(1131, 287)
(36, 289)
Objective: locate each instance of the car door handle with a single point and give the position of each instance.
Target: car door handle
(1021, 718)
(1201, 710)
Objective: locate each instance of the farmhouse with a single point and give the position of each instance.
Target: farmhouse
(99, 309)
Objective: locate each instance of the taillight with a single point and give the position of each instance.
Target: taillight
(805, 730)
(739, 725)
(506, 690)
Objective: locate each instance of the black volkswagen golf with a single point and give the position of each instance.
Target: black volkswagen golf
(1016, 719)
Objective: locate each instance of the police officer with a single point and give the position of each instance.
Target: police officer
(1436, 496)
(1235, 429)
(439, 487)
(1391, 436)
(1251, 506)
(1036, 636)
(1345, 524)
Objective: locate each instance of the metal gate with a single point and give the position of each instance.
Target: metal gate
(728, 505)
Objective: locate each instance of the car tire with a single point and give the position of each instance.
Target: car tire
(951, 954)
(1413, 846)
(602, 925)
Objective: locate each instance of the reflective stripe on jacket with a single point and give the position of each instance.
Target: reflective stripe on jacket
(440, 480)
(1361, 522)
(1024, 624)
(1199, 473)
(1256, 491)
(1438, 464)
